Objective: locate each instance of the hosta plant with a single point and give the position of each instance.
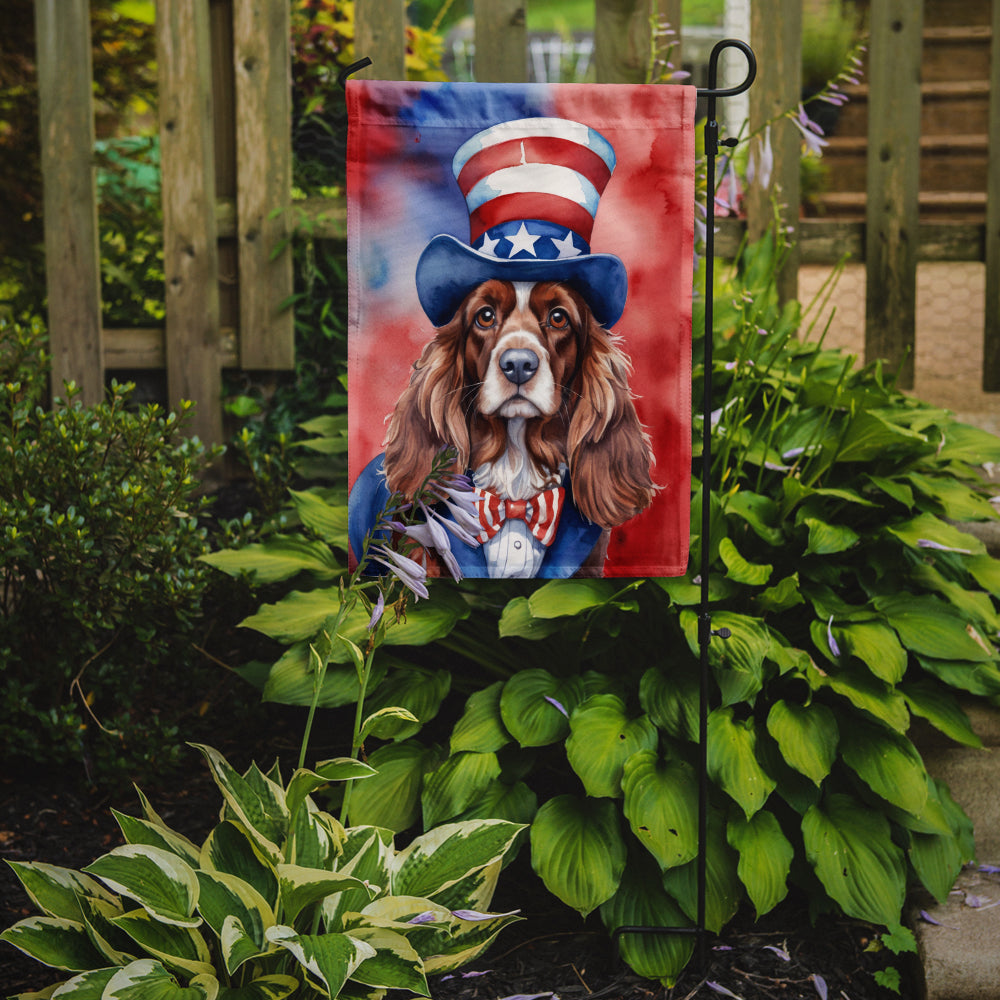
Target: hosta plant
(279, 900)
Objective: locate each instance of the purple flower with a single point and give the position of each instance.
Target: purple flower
(475, 915)
(719, 988)
(377, 612)
(834, 648)
(410, 573)
(811, 132)
(927, 543)
(820, 983)
(558, 705)
(761, 163)
(427, 917)
(780, 952)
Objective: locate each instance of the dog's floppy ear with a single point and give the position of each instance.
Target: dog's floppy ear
(609, 453)
(428, 416)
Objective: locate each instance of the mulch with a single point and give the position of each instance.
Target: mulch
(552, 952)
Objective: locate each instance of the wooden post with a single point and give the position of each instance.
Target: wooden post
(72, 255)
(380, 34)
(262, 61)
(622, 40)
(190, 254)
(501, 41)
(991, 333)
(893, 183)
(776, 35)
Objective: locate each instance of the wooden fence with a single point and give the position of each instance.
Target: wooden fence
(226, 161)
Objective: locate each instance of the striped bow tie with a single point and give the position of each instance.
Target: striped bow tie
(540, 513)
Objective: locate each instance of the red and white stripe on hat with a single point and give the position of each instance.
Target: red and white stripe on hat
(534, 168)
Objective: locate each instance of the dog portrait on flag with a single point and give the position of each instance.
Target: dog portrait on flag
(539, 336)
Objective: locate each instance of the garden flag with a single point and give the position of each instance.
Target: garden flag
(520, 276)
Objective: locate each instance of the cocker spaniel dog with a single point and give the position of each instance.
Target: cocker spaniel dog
(530, 390)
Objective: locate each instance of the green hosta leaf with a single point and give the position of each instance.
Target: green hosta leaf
(975, 605)
(827, 539)
(456, 784)
(765, 858)
(481, 728)
(937, 859)
(976, 678)
(141, 831)
(395, 964)
(641, 901)
(723, 889)
(941, 709)
(327, 520)
(417, 690)
(291, 680)
(517, 620)
(275, 987)
(928, 528)
(516, 803)
(301, 887)
(888, 763)
(986, 571)
(661, 799)
(260, 809)
(226, 898)
(54, 941)
(850, 847)
(876, 646)
(385, 723)
(330, 959)
(684, 593)
(602, 738)
(159, 881)
(391, 798)
(147, 979)
(783, 595)
(957, 501)
(932, 628)
(752, 574)
(893, 488)
(671, 700)
(438, 859)
(535, 706)
(870, 435)
(560, 598)
(965, 443)
(738, 661)
(864, 691)
(758, 511)
(279, 558)
(56, 891)
(180, 948)
(807, 736)
(732, 760)
(230, 849)
(578, 851)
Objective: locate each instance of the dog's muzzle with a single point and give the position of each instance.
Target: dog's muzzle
(519, 365)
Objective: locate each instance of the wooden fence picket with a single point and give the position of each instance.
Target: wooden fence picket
(991, 331)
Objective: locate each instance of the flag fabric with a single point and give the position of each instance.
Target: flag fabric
(520, 280)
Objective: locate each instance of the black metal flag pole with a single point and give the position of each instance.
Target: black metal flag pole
(705, 631)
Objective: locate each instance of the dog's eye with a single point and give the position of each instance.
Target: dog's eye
(558, 319)
(486, 318)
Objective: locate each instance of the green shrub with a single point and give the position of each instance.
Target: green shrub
(854, 604)
(279, 900)
(101, 584)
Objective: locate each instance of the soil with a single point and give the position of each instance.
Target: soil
(551, 952)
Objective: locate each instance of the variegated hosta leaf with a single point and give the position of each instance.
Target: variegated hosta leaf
(147, 979)
(851, 849)
(225, 897)
(642, 902)
(56, 891)
(54, 941)
(481, 727)
(807, 736)
(86, 986)
(256, 801)
(177, 947)
(158, 880)
(765, 858)
(723, 889)
(732, 760)
(315, 838)
(441, 857)
(475, 891)
(328, 959)
(395, 964)
(141, 831)
(661, 800)
(304, 782)
(888, 763)
(535, 706)
(456, 784)
(274, 987)
(98, 915)
(230, 849)
(466, 941)
(367, 854)
(602, 737)
(578, 851)
(300, 887)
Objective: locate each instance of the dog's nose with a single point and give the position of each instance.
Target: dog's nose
(519, 365)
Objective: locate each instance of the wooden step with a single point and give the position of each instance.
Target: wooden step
(956, 53)
(957, 206)
(945, 12)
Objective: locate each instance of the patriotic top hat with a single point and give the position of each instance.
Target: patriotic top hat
(532, 187)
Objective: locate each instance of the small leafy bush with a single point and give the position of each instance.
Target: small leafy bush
(101, 584)
(280, 899)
